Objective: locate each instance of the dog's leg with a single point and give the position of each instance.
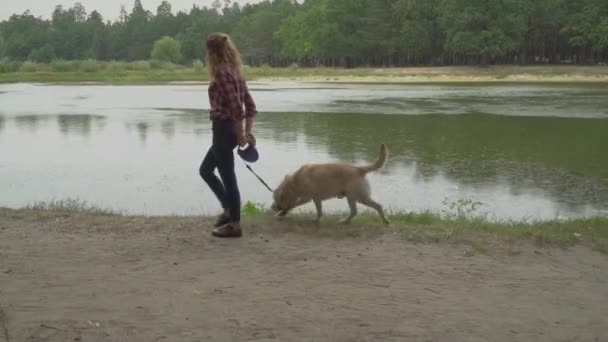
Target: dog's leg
(352, 204)
(375, 205)
(319, 209)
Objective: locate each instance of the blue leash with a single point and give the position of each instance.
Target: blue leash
(258, 177)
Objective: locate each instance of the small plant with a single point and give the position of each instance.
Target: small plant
(252, 208)
(460, 208)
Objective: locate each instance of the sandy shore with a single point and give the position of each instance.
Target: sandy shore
(459, 74)
(492, 74)
(79, 277)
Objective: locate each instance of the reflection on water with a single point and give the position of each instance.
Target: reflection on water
(554, 102)
(31, 123)
(146, 160)
(564, 159)
(82, 124)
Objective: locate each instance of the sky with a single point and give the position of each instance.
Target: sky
(109, 9)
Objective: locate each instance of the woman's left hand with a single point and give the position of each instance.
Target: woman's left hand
(250, 139)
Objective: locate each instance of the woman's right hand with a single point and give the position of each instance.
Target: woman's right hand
(241, 140)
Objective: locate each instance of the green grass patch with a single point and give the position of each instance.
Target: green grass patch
(457, 225)
(425, 227)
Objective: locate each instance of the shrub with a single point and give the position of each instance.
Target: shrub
(61, 65)
(45, 54)
(7, 66)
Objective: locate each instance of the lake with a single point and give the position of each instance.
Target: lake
(533, 151)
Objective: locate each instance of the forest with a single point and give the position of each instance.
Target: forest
(332, 33)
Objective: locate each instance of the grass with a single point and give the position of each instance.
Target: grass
(426, 227)
(158, 72)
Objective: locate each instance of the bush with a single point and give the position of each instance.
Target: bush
(90, 65)
(30, 67)
(139, 66)
(65, 66)
(115, 66)
(167, 49)
(159, 65)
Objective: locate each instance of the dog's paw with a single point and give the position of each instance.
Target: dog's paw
(345, 221)
(281, 213)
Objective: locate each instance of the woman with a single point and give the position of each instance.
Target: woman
(228, 95)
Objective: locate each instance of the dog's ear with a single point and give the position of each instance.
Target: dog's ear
(287, 194)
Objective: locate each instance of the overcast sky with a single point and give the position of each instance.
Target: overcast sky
(110, 9)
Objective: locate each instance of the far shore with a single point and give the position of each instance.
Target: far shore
(149, 75)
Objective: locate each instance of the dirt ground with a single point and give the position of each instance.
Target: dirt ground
(78, 278)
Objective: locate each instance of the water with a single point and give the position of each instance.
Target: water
(524, 151)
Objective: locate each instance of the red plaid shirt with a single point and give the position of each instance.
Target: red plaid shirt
(228, 94)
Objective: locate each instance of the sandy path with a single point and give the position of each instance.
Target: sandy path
(71, 279)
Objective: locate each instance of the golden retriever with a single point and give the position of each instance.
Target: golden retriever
(319, 182)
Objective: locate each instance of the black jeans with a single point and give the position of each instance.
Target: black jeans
(221, 156)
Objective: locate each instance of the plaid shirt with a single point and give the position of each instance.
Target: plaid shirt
(228, 94)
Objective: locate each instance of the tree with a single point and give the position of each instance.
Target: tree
(587, 25)
(167, 49)
(255, 28)
(80, 13)
(482, 29)
(164, 9)
(419, 27)
(22, 34)
(329, 32)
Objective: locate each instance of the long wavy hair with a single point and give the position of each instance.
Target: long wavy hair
(221, 53)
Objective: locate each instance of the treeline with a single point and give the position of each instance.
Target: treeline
(328, 32)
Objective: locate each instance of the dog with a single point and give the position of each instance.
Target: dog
(319, 182)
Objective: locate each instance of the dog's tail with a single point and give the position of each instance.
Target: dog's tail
(379, 163)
